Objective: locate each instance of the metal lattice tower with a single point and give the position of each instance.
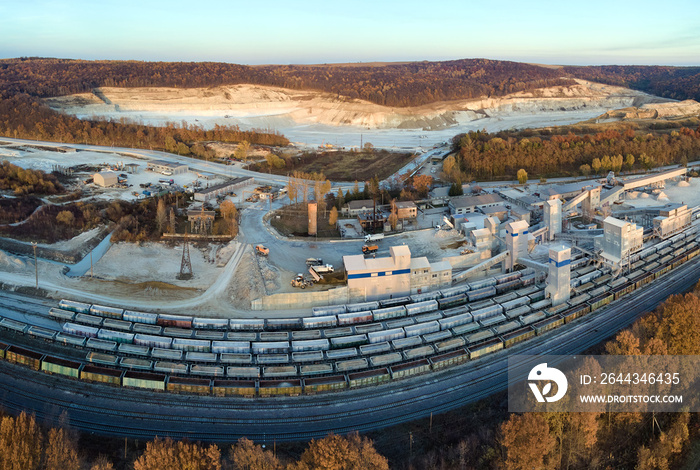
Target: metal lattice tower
(186, 264)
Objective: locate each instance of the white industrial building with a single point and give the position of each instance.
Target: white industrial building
(226, 187)
(517, 242)
(394, 276)
(166, 168)
(105, 179)
(672, 219)
(467, 204)
(559, 279)
(619, 239)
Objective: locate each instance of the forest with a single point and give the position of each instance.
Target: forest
(399, 84)
(487, 156)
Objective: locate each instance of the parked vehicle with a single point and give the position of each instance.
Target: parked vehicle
(375, 237)
(262, 250)
(325, 268)
(314, 261)
(370, 249)
(299, 281)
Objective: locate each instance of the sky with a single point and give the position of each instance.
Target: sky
(309, 32)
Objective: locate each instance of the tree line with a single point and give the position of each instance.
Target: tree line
(487, 156)
(402, 85)
(24, 182)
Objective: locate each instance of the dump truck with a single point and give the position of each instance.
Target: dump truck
(370, 249)
(314, 261)
(375, 237)
(324, 268)
(262, 250)
(299, 281)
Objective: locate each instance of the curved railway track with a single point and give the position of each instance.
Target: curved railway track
(139, 414)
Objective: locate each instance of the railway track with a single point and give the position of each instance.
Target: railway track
(134, 414)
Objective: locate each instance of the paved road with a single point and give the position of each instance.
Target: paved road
(136, 414)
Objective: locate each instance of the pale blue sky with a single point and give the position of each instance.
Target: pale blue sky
(273, 31)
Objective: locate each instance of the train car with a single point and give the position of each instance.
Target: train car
(453, 301)
(280, 371)
(188, 385)
(335, 332)
(244, 388)
(101, 344)
(328, 321)
(422, 328)
(397, 302)
(456, 320)
(437, 336)
(409, 369)
(208, 371)
(270, 347)
(168, 354)
(235, 358)
(426, 317)
(506, 327)
(41, 333)
(90, 320)
(518, 312)
(328, 310)
(449, 359)
(479, 294)
(91, 373)
(576, 312)
(144, 380)
(541, 304)
(360, 307)
(510, 285)
(73, 306)
(169, 367)
(206, 358)
(176, 321)
(154, 330)
(515, 303)
(134, 349)
(198, 345)
(517, 336)
(135, 364)
(333, 354)
(79, 330)
(537, 296)
(249, 324)
(291, 387)
(452, 291)
(107, 312)
(308, 356)
(152, 341)
(388, 313)
(421, 351)
(70, 340)
(416, 298)
(528, 280)
(375, 348)
(210, 334)
(602, 280)
(442, 347)
(487, 312)
(479, 336)
(421, 307)
(140, 317)
(325, 384)
(210, 323)
(487, 347)
(352, 318)
(112, 324)
(533, 318)
(283, 323)
(600, 301)
(274, 336)
(556, 309)
(116, 336)
(368, 377)
(61, 315)
(482, 283)
(352, 364)
(399, 323)
(455, 311)
(369, 328)
(175, 332)
(100, 358)
(527, 291)
(385, 335)
(310, 345)
(306, 334)
(407, 342)
(315, 369)
(271, 358)
(230, 347)
(24, 357)
(383, 360)
(505, 297)
(242, 372)
(466, 328)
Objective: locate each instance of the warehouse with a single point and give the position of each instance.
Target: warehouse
(467, 204)
(224, 188)
(105, 179)
(166, 168)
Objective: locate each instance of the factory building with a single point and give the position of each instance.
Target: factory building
(406, 210)
(105, 179)
(672, 219)
(552, 217)
(355, 208)
(226, 187)
(166, 168)
(619, 239)
(394, 276)
(559, 279)
(467, 204)
(517, 242)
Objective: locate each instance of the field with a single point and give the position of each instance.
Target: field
(343, 165)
